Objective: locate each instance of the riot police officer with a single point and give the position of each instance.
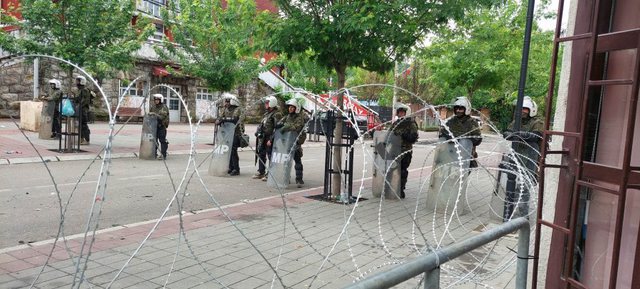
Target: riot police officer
(232, 112)
(531, 127)
(526, 144)
(161, 111)
(462, 125)
(295, 121)
(83, 99)
(407, 128)
(54, 97)
(264, 135)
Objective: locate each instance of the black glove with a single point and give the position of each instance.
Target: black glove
(279, 125)
(523, 136)
(411, 137)
(445, 135)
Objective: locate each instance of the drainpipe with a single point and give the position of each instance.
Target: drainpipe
(511, 178)
(36, 78)
(395, 91)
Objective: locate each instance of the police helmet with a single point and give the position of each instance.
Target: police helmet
(294, 103)
(272, 101)
(233, 100)
(463, 101)
(158, 96)
(527, 102)
(401, 106)
(56, 83)
(83, 81)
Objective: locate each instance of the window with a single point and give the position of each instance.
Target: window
(174, 104)
(204, 94)
(152, 7)
(159, 33)
(133, 91)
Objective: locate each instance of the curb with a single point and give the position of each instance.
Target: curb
(168, 218)
(80, 157)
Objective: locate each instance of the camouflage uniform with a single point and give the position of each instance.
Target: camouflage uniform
(462, 127)
(263, 134)
(235, 115)
(407, 129)
(526, 144)
(55, 98)
(295, 122)
(162, 113)
(83, 99)
(530, 132)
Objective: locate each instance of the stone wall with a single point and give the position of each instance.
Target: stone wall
(16, 84)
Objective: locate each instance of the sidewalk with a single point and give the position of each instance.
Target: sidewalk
(15, 148)
(245, 253)
(290, 241)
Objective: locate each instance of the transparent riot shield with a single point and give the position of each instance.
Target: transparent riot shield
(148, 145)
(517, 179)
(449, 176)
(386, 164)
(281, 159)
(221, 155)
(46, 119)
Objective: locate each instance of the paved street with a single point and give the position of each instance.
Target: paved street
(256, 238)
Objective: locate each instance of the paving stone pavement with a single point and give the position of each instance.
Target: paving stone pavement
(264, 246)
(289, 241)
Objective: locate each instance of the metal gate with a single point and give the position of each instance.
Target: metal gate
(596, 45)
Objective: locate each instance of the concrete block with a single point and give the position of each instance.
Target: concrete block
(30, 115)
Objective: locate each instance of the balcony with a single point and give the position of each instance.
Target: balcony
(151, 7)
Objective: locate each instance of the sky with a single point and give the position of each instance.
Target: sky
(550, 24)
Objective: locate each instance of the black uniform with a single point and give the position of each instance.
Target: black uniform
(407, 129)
(235, 115)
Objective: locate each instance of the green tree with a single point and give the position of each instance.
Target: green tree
(301, 71)
(371, 34)
(217, 41)
(480, 57)
(368, 85)
(97, 35)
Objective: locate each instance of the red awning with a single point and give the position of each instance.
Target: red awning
(160, 71)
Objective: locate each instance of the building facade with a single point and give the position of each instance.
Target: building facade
(17, 78)
(589, 204)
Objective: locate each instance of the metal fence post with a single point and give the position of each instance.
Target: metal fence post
(432, 279)
(429, 264)
(523, 257)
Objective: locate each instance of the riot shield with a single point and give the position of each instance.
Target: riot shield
(386, 164)
(449, 176)
(281, 159)
(529, 154)
(221, 155)
(148, 143)
(520, 178)
(46, 119)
